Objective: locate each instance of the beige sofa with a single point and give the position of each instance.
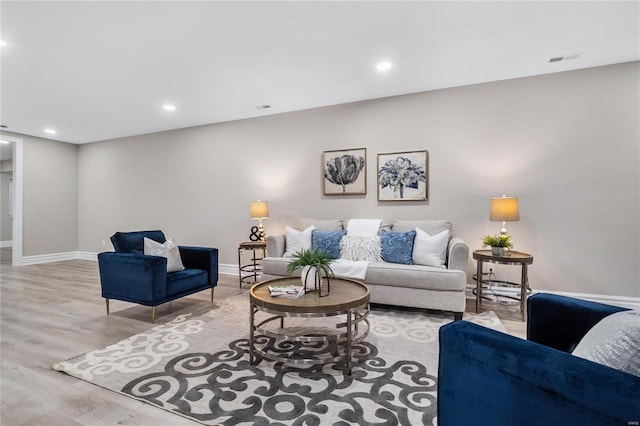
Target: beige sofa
(419, 286)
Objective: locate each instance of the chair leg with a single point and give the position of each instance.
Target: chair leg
(106, 301)
(153, 314)
(212, 290)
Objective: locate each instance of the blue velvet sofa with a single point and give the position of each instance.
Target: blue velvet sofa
(128, 274)
(490, 378)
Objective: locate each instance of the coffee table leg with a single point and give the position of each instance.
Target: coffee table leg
(252, 313)
(349, 338)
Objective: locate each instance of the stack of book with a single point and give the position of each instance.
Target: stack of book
(286, 291)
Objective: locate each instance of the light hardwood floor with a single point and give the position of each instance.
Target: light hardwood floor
(52, 312)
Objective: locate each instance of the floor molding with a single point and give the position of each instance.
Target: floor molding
(6, 243)
(622, 301)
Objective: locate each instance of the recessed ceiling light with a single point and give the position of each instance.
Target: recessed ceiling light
(384, 66)
(3, 43)
(169, 107)
(50, 131)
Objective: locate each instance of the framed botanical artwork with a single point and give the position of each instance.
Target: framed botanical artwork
(403, 176)
(344, 172)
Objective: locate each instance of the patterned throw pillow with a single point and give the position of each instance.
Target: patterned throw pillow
(169, 250)
(614, 342)
(360, 248)
(327, 241)
(397, 247)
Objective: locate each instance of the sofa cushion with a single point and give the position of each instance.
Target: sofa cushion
(614, 341)
(297, 240)
(322, 225)
(430, 250)
(276, 266)
(133, 242)
(169, 249)
(360, 248)
(397, 247)
(415, 276)
(327, 241)
(431, 227)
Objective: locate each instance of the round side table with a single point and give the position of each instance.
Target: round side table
(249, 272)
(513, 258)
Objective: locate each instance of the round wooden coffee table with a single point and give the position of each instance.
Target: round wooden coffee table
(347, 297)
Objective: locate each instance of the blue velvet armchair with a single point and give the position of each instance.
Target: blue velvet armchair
(130, 275)
(490, 378)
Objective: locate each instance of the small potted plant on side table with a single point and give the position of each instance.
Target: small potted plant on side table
(316, 270)
(498, 244)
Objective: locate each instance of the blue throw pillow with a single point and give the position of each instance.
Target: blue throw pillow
(397, 247)
(328, 241)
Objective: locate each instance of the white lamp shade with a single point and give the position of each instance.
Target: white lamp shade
(504, 209)
(259, 210)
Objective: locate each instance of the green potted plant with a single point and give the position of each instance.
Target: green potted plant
(316, 267)
(498, 243)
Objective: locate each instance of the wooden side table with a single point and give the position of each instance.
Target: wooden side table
(249, 272)
(514, 258)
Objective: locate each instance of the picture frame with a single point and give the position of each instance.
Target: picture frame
(403, 176)
(344, 172)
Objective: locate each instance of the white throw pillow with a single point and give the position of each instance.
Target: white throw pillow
(430, 250)
(614, 342)
(169, 250)
(297, 240)
(361, 248)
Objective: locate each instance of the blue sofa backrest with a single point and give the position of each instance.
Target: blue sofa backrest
(133, 242)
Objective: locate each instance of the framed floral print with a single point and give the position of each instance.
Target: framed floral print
(403, 176)
(345, 172)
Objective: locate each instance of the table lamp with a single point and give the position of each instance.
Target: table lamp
(504, 209)
(258, 210)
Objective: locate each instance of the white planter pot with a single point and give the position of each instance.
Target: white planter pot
(497, 251)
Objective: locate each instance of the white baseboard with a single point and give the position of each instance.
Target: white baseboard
(622, 301)
(6, 243)
(47, 258)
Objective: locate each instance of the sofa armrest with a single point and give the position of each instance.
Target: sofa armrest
(205, 258)
(276, 245)
(488, 378)
(560, 322)
(133, 277)
(458, 255)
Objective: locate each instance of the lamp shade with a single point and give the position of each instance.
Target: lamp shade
(504, 209)
(259, 210)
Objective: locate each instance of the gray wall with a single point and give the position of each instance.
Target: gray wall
(566, 144)
(50, 196)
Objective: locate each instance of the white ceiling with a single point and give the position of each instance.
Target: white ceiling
(102, 70)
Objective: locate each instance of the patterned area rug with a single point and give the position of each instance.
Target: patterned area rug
(199, 368)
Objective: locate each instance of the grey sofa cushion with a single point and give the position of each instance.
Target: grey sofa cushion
(322, 225)
(431, 227)
(275, 265)
(391, 275)
(413, 276)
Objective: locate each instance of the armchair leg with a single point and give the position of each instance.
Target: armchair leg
(153, 314)
(212, 290)
(106, 301)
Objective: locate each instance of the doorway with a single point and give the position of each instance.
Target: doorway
(14, 191)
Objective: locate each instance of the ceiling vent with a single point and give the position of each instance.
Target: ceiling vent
(565, 57)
